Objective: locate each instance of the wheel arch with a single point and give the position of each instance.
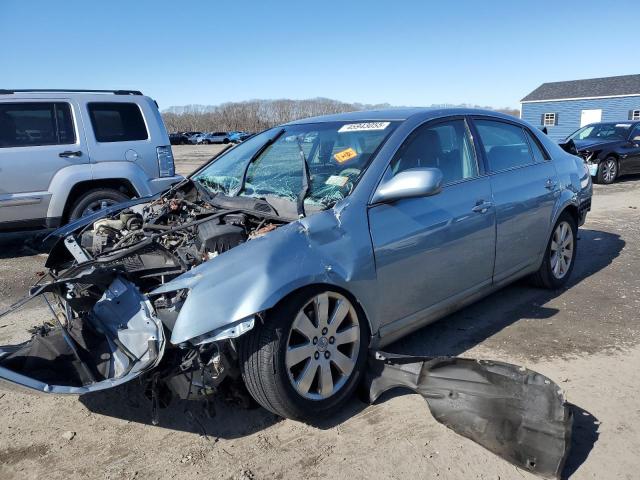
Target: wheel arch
(572, 210)
(329, 286)
(121, 184)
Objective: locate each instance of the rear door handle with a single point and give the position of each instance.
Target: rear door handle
(70, 154)
(482, 206)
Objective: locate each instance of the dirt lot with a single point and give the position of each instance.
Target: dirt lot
(587, 338)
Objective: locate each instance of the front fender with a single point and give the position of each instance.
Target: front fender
(256, 275)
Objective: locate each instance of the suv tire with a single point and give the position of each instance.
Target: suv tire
(96, 197)
(563, 243)
(269, 372)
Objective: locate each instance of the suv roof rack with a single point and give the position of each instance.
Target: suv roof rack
(69, 90)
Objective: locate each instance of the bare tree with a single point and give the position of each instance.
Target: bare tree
(257, 115)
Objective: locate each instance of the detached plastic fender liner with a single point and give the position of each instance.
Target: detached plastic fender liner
(513, 412)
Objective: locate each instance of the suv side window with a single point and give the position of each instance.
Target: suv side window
(505, 144)
(117, 122)
(444, 145)
(31, 124)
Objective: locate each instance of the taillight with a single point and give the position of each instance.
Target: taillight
(165, 161)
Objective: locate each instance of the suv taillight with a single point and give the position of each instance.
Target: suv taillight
(165, 161)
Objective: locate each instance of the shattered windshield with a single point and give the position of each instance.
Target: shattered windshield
(336, 152)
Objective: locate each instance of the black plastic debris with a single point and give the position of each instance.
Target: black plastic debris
(513, 412)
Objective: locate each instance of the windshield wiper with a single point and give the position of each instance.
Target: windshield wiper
(306, 180)
(253, 159)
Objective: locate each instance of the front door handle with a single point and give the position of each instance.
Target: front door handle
(482, 206)
(70, 154)
(550, 184)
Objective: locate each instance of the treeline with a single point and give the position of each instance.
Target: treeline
(257, 115)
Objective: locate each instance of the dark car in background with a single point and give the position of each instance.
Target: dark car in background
(178, 138)
(610, 149)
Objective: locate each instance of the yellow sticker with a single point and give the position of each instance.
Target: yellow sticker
(345, 155)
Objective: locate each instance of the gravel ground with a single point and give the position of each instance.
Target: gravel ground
(586, 337)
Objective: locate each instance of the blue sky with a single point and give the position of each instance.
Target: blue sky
(401, 52)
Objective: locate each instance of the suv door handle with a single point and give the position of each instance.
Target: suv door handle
(482, 206)
(70, 154)
(550, 184)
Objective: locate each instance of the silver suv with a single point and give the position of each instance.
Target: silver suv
(67, 153)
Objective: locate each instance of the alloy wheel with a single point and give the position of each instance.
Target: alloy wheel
(323, 346)
(98, 205)
(561, 254)
(609, 170)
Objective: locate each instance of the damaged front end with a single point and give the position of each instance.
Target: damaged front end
(91, 345)
(107, 324)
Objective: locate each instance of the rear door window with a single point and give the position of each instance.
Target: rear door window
(32, 124)
(117, 122)
(505, 145)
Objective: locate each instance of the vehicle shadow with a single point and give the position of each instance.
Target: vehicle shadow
(219, 418)
(21, 244)
(584, 436)
(628, 178)
(463, 330)
(452, 336)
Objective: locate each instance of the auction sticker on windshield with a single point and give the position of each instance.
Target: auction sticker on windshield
(345, 155)
(360, 127)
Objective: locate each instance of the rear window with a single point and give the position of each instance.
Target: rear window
(31, 124)
(117, 122)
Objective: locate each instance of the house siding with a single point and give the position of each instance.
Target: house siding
(569, 112)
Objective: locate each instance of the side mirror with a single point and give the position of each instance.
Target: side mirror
(635, 140)
(410, 183)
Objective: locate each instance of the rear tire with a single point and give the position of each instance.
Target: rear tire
(307, 383)
(93, 200)
(560, 255)
(607, 171)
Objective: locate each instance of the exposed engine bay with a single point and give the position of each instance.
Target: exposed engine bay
(154, 242)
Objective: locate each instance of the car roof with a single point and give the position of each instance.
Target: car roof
(622, 122)
(399, 114)
(82, 95)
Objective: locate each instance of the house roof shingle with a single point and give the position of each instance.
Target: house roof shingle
(592, 87)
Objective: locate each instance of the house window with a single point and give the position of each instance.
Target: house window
(549, 119)
(635, 115)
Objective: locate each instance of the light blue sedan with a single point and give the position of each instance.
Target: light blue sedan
(290, 255)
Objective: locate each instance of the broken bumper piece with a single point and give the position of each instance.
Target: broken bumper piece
(513, 412)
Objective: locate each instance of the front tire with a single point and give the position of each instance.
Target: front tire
(607, 171)
(308, 357)
(559, 258)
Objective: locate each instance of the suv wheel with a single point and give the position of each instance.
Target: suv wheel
(607, 171)
(560, 255)
(94, 201)
(307, 358)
